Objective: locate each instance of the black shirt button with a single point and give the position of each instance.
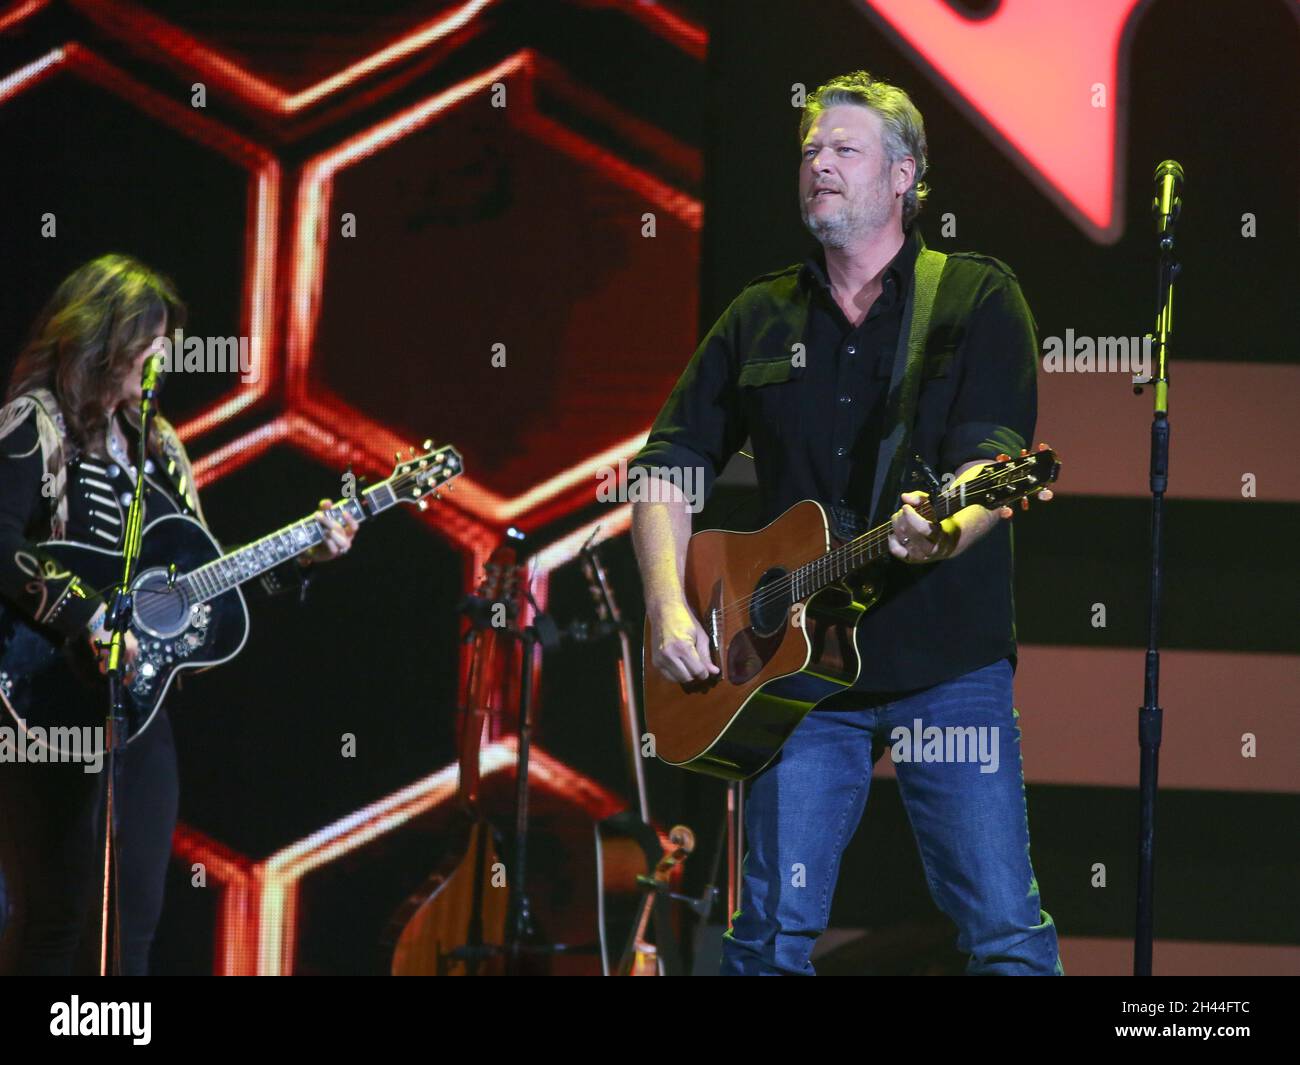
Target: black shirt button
(851, 350)
(841, 452)
(846, 399)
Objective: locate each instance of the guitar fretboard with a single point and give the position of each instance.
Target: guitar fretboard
(996, 485)
(252, 560)
(871, 546)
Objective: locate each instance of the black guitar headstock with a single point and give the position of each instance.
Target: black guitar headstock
(1008, 480)
(418, 475)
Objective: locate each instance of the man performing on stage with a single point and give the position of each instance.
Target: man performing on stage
(801, 364)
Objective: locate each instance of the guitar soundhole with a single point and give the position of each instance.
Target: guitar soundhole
(770, 605)
(159, 610)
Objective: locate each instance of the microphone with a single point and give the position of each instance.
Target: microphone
(1167, 205)
(150, 374)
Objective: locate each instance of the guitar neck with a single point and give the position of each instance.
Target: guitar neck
(252, 560)
(871, 546)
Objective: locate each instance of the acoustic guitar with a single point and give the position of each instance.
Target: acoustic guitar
(780, 607)
(189, 612)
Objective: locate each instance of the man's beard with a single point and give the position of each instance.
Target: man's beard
(856, 218)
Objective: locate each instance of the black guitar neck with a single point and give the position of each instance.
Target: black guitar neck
(256, 558)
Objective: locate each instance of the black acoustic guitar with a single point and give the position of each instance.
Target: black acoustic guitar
(189, 612)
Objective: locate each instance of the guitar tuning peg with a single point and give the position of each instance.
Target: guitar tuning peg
(1003, 458)
(1024, 503)
(423, 504)
(1023, 452)
(428, 444)
(1042, 447)
(437, 495)
(397, 455)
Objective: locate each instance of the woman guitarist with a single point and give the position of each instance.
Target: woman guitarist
(67, 448)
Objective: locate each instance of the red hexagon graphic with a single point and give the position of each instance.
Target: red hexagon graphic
(406, 327)
(602, 370)
(257, 321)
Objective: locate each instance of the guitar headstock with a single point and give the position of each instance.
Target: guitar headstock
(504, 579)
(1010, 480)
(418, 475)
(503, 586)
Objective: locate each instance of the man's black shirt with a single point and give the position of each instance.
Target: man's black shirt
(815, 417)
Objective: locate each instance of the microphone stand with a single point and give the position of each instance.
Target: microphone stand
(118, 622)
(519, 923)
(1150, 714)
(521, 943)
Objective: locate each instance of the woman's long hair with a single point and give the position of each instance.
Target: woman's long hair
(88, 337)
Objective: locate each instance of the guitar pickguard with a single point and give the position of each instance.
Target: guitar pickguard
(159, 658)
(748, 653)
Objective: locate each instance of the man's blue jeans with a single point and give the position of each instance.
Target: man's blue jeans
(969, 818)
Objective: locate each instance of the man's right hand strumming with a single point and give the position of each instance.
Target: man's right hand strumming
(679, 645)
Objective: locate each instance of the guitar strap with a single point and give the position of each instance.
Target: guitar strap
(905, 385)
(51, 440)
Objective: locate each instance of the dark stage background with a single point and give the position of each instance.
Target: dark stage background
(523, 226)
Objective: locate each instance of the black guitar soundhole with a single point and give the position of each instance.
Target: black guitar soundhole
(770, 605)
(159, 610)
